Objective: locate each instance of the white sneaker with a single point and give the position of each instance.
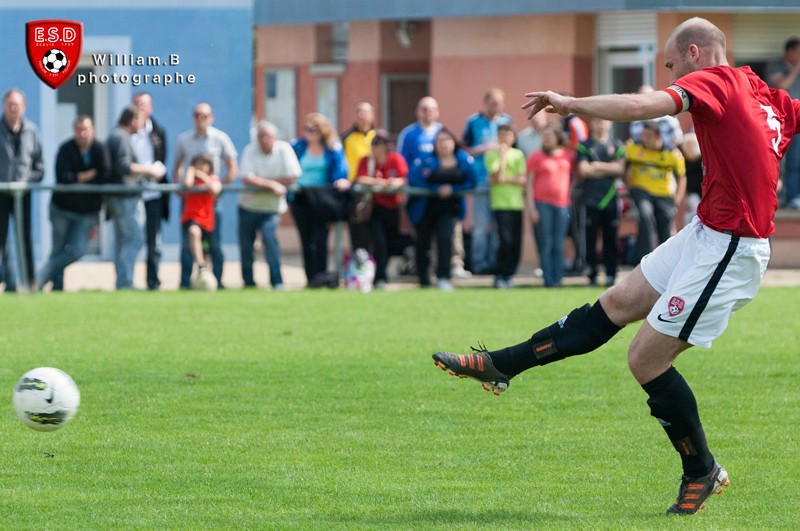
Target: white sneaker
(459, 272)
(445, 285)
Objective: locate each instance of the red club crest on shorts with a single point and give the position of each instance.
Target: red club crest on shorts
(54, 49)
(676, 306)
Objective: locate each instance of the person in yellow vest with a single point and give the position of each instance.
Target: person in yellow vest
(357, 144)
(656, 179)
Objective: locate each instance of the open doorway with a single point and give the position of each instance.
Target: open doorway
(624, 71)
(401, 92)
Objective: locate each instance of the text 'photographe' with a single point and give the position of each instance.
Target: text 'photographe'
(172, 77)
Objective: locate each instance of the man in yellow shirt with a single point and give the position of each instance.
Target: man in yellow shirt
(357, 144)
(656, 179)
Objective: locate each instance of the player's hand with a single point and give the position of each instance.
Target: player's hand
(548, 101)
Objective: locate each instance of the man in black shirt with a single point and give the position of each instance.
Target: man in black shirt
(601, 160)
(80, 160)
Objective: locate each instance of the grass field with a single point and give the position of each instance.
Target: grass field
(311, 410)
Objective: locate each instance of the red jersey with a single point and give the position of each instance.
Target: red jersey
(199, 207)
(394, 167)
(744, 129)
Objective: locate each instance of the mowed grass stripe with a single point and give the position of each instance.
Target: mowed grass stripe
(246, 409)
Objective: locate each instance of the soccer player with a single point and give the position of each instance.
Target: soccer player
(690, 285)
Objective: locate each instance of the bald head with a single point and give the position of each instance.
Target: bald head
(427, 111)
(701, 33)
(695, 44)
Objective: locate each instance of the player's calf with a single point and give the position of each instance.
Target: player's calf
(583, 330)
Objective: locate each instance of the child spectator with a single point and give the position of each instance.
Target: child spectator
(507, 179)
(198, 209)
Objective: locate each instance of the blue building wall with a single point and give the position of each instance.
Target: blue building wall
(270, 12)
(214, 44)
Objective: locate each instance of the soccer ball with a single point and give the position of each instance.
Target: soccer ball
(205, 281)
(54, 61)
(45, 399)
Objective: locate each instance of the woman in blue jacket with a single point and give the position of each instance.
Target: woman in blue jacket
(323, 164)
(448, 170)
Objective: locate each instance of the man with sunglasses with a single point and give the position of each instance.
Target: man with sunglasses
(205, 138)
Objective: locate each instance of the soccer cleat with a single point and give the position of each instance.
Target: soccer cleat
(695, 491)
(477, 366)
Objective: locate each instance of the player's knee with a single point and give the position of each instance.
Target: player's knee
(634, 361)
(615, 303)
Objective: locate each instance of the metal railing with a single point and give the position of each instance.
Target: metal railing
(18, 190)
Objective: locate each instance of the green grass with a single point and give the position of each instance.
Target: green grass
(310, 410)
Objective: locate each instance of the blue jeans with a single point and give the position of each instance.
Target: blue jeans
(266, 223)
(70, 238)
(7, 255)
(550, 233)
(484, 237)
(217, 258)
(791, 176)
(127, 213)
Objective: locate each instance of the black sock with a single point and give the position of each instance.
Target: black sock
(673, 404)
(583, 330)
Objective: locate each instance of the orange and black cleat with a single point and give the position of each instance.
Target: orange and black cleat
(477, 366)
(695, 491)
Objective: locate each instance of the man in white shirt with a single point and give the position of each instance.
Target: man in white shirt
(205, 138)
(150, 145)
(270, 165)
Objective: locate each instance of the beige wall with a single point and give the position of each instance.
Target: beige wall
(509, 36)
(516, 54)
(365, 41)
(463, 56)
(285, 45)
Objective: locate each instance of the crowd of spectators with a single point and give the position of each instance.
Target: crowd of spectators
(448, 206)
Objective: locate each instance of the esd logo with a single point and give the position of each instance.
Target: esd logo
(54, 49)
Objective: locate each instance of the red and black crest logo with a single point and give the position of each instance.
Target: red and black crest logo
(54, 49)
(676, 306)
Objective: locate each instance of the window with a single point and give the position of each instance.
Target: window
(281, 101)
(328, 99)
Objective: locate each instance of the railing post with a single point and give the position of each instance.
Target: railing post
(23, 282)
(337, 246)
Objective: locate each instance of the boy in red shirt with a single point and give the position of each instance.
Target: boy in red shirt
(197, 218)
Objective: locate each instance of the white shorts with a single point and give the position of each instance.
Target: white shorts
(703, 276)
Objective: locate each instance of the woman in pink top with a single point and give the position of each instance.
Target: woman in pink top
(548, 201)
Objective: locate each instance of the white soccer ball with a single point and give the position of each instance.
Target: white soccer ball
(54, 60)
(205, 281)
(46, 399)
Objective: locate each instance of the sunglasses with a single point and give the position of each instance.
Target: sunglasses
(310, 129)
(202, 115)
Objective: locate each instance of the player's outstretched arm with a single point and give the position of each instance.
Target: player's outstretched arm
(615, 107)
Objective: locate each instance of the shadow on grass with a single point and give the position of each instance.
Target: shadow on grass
(426, 518)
